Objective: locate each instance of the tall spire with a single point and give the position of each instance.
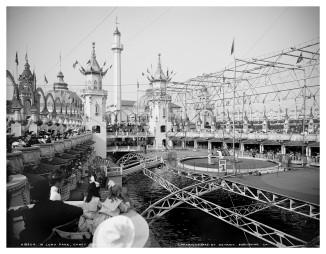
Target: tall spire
(116, 26)
(93, 51)
(159, 75)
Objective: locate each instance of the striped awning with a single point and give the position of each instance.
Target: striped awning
(271, 143)
(175, 138)
(201, 139)
(294, 143)
(216, 140)
(188, 139)
(229, 140)
(250, 142)
(314, 144)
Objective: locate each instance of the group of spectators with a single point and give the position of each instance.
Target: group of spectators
(101, 219)
(124, 128)
(30, 138)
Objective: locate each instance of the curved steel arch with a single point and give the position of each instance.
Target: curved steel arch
(130, 157)
(272, 236)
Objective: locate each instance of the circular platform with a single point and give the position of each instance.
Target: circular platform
(245, 164)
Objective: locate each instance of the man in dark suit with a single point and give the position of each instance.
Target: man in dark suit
(46, 214)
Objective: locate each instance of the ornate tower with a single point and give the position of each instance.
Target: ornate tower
(26, 89)
(94, 100)
(117, 47)
(159, 122)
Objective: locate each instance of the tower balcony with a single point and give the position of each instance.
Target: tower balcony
(85, 92)
(116, 46)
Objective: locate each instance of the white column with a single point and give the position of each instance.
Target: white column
(117, 47)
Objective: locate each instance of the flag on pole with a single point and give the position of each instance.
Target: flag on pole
(16, 60)
(74, 64)
(300, 58)
(232, 48)
(45, 80)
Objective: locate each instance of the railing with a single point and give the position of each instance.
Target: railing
(255, 228)
(256, 136)
(134, 166)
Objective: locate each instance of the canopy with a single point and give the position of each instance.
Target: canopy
(314, 144)
(201, 139)
(271, 143)
(216, 140)
(294, 143)
(231, 140)
(250, 142)
(175, 138)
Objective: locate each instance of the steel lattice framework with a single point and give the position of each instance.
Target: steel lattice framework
(255, 228)
(272, 82)
(267, 197)
(130, 157)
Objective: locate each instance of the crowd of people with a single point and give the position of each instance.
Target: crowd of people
(49, 212)
(125, 128)
(30, 138)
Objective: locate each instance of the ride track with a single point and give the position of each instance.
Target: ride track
(235, 216)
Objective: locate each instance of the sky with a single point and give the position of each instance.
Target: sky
(191, 40)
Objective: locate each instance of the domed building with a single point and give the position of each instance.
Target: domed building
(63, 100)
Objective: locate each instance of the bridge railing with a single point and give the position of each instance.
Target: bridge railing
(133, 166)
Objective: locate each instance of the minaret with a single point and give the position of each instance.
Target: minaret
(117, 47)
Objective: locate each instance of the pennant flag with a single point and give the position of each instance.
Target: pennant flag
(110, 66)
(74, 64)
(16, 60)
(104, 63)
(89, 61)
(143, 74)
(232, 48)
(300, 58)
(45, 80)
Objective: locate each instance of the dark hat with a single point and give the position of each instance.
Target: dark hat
(40, 190)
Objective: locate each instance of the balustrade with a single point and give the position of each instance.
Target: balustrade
(47, 150)
(31, 155)
(16, 161)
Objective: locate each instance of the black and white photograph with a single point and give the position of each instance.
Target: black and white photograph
(162, 126)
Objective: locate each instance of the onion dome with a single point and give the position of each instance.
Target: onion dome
(60, 84)
(159, 75)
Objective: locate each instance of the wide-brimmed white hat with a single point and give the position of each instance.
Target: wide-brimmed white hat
(115, 232)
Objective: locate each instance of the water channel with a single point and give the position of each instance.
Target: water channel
(186, 226)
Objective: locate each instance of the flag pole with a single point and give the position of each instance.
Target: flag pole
(235, 70)
(16, 67)
(137, 122)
